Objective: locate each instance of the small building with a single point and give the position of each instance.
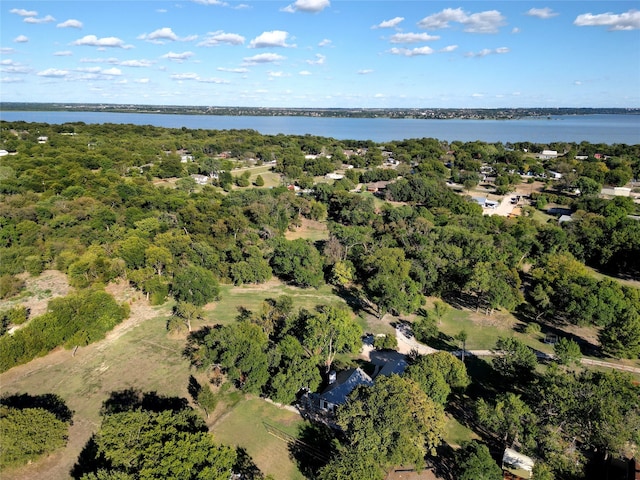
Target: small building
(3, 153)
(43, 139)
(516, 466)
(377, 186)
(555, 175)
(548, 154)
(200, 179)
(617, 191)
(334, 176)
(186, 158)
(565, 218)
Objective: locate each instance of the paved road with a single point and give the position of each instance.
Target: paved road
(407, 343)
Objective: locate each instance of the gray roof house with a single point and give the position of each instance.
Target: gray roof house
(345, 382)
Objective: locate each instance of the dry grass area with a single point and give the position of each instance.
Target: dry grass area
(38, 291)
(310, 230)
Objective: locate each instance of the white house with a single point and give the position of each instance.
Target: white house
(548, 154)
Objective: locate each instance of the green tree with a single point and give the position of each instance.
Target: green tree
(437, 374)
(195, 285)
(29, 433)
(510, 418)
(515, 360)
(351, 464)
(294, 370)
(393, 418)
(474, 462)
(567, 351)
(241, 350)
(622, 337)
(297, 261)
(259, 181)
(330, 330)
(167, 444)
(388, 283)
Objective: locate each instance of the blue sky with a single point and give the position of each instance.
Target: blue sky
(323, 53)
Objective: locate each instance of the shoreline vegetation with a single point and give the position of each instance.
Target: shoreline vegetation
(399, 113)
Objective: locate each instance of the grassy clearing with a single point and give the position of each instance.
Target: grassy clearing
(309, 230)
(243, 426)
(251, 296)
(455, 433)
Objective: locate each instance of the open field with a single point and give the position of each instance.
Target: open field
(252, 296)
(139, 354)
(243, 426)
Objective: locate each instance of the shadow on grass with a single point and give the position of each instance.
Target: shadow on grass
(132, 399)
(313, 448)
(48, 401)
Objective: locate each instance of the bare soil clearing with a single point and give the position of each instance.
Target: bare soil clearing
(38, 291)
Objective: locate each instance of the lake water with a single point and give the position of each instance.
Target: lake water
(607, 129)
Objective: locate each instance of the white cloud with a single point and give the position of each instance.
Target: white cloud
(112, 71)
(71, 23)
(221, 38)
(274, 38)
(304, 73)
(406, 52)
(162, 10)
(142, 80)
(195, 77)
(11, 80)
(136, 63)
(366, 71)
(233, 70)
(21, 39)
(263, 58)
(412, 37)
(308, 6)
(543, 13)
(483, 22)
(47, 19)
(278, 74)
(63, 53)
(448, 48)
(159, 36)
(53, 73)
(577, 82)
(320, 59)
(185, 76)
(488, 51)
(99, 60)
(178, 57)
(515, 30)
(212, 2)
(23, 13)
(477, 95)
(8, 61)
(6, 50)
(16, 69)
(325, 43)
(93, 41)
(392, 23)
(616, 22)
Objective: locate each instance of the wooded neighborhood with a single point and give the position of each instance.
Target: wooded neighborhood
(208, 274)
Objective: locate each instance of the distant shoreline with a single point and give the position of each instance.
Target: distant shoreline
(399, 113)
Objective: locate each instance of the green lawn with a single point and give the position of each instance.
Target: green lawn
(455, 433)
(243, 426)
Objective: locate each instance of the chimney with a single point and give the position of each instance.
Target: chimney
(332, 377)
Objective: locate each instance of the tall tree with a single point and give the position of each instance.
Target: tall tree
(393, 418)
(330, 330)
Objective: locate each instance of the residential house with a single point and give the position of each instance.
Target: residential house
(322, 406)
